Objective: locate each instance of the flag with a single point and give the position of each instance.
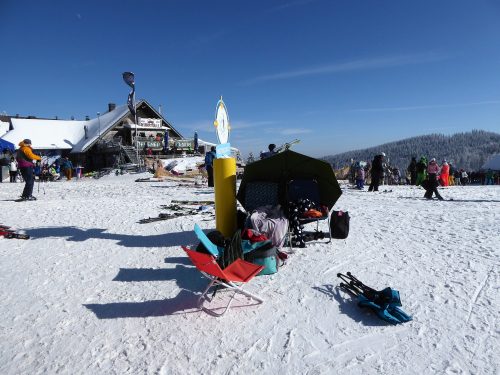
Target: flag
(129, 79)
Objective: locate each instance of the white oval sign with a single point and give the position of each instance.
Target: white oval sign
(221, 122)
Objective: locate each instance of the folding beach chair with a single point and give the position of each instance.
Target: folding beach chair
(237, 272)
(307, 189)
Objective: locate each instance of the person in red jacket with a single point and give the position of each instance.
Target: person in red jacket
(445, 174)
(25, 157)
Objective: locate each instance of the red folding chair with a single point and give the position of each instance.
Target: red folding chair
(239, 271)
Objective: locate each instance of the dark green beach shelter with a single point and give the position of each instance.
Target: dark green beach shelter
(289, 165)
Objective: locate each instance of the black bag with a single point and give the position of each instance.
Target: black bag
(232, 247)
(339, 224)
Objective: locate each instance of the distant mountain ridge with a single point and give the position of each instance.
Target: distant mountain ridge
(468, 150)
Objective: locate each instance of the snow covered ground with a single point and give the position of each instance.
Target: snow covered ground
(95, 292)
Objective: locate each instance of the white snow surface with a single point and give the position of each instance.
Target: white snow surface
(184, 164)
(95, 292)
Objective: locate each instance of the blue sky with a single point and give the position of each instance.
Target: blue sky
(337, 74)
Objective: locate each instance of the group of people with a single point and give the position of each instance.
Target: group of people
(28, 164)
(428, 175)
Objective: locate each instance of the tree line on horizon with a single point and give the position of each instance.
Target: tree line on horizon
(469, 150)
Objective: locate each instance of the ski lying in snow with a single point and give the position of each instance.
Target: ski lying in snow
(168, 216)
(194, 203)
(161, 217)
(9, 233)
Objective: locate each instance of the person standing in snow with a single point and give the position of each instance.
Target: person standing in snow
(13, 169)
(432, 181)
(209, 165)
(445, 173)
(412, 170)
(67, 167)
(360, 177)
(421, 171)
(25, 157)
(377, 172)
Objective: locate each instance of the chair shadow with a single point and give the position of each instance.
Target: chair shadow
(185, 300)
(72, 233)
(350, 307)
(189, 280)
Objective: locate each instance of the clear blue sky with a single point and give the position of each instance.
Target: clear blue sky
(337, 74)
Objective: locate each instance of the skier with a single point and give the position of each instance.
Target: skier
(432, 181)
(25, 157)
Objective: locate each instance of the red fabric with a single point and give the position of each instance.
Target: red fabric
(253, 236)
(312, 214)
(238, 271)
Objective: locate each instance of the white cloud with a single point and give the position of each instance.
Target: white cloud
(354, 65)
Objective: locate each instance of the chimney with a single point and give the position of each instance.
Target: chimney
(111, 106)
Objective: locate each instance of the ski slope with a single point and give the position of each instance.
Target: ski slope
(94, 292)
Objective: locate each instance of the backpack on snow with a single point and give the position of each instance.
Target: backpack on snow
(339, 224)
(266, 256)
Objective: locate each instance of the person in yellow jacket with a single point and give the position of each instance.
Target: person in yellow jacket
(25, 157)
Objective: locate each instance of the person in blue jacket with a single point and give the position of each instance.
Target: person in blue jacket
(209, 165)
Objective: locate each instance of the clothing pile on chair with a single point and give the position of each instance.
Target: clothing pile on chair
(270, 221)
(301, 209)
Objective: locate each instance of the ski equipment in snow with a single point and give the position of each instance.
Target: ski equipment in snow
(385, 303)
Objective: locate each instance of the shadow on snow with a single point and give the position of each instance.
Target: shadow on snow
(349, 306)
(127, 240)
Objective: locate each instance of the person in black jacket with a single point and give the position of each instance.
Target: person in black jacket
(209, 165)
(377, 172)
(412, 169)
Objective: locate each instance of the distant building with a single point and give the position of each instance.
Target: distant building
(105, 141)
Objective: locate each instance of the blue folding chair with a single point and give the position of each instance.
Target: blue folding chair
(212, 248)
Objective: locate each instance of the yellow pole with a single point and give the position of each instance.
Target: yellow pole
(225, 195)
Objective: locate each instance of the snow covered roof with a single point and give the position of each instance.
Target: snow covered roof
(68, 134)
(493, 163)
(63, 134)
(4, 127)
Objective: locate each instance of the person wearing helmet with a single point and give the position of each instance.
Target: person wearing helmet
(25, 157)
